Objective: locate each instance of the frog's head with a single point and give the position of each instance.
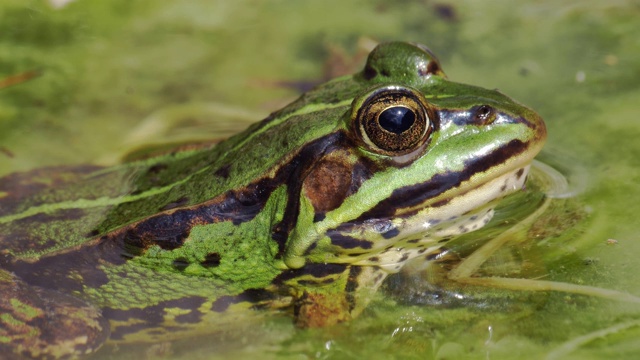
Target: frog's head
(416, 159)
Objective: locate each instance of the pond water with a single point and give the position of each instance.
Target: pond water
(96, 81)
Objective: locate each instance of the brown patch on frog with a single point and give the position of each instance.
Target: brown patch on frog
(328, 183)
(44, 323)
(299, 167)
(333, 179)
(313, 310)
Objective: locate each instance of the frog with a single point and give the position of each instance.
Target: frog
(305, 212)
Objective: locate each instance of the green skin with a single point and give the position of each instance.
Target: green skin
(307, 210)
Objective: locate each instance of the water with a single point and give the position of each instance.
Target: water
(116, 75)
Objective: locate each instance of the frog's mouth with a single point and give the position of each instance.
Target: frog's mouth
(423, 232)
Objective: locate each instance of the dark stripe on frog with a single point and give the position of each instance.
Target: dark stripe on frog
(72, 271)
(255, 296)
(316, 282)
(436, 204)
(19, 186)
(35, 232)
(352, 285)
(153, 316)
(412, 195)
(348, 242)
(169, 230)
(316, 270)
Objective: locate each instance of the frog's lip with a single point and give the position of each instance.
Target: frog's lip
(430, 221)
(456, 188)
(468, 200)
(514, 163)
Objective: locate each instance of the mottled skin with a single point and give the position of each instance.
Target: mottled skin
(310, 208)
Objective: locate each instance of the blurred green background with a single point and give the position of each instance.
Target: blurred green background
(90, 81)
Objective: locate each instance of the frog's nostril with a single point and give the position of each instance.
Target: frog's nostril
(483, 114)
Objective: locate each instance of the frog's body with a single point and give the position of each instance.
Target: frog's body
(310, 208)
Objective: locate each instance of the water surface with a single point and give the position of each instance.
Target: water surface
(104, 78)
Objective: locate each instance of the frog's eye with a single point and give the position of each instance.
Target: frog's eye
(393, 120)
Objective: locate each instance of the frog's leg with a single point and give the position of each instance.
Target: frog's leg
(43, 323)
(467, 267)
(338, 298)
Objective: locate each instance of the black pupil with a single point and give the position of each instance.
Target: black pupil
(397, 119)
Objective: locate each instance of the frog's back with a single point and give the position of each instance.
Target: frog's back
(48, 210)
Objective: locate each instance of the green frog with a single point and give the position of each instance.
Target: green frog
(305, 212)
